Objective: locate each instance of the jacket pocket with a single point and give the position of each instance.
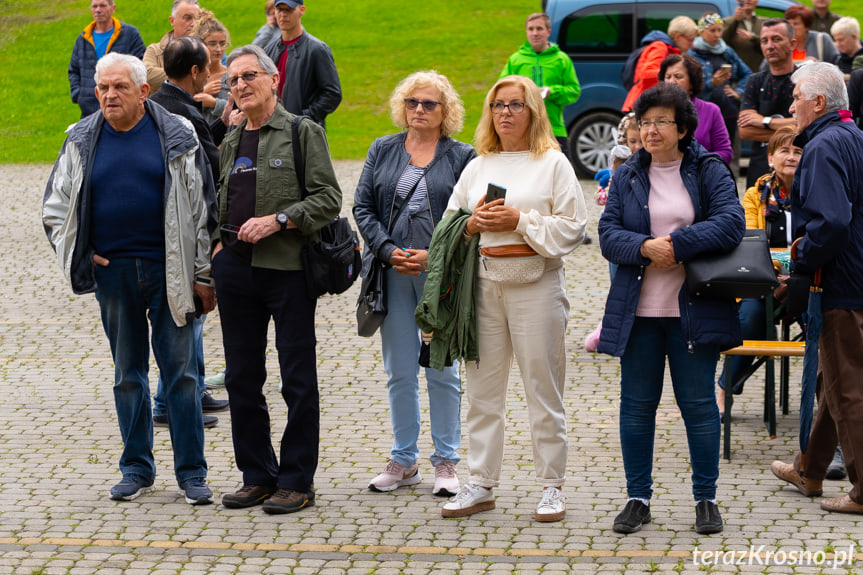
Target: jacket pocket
(284, 180)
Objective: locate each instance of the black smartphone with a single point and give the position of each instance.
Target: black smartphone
(230, 229)
(494, 192)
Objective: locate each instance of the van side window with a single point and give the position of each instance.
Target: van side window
(599, 30)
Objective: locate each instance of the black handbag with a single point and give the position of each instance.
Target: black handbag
(372, 304)
(745, 272)
(331, 265)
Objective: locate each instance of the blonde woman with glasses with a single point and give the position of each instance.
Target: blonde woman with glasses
(521, 303)
(402, 193)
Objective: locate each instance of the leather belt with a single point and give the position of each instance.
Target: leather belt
(510, 251)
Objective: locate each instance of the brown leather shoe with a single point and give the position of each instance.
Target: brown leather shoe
(247, 496)
(289, 501)
(842, 504)
(786, 472)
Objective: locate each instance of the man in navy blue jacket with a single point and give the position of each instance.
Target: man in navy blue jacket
(104, 34)
(827, 216)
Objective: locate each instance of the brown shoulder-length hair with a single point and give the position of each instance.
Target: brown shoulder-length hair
(781, 137)
(540, 137)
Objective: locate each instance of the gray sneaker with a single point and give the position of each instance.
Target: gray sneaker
(131, 487)
(196, 491)
(836, 469)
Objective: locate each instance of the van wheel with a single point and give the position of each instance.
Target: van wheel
(590, 142)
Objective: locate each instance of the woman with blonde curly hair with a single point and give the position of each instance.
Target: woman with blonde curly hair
(401, 195)
(213, 33)
(521, 304)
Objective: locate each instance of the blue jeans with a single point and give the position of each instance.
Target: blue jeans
(753, 325)
(159, 407)
(642, 371)
(400, 346)
(129, 291)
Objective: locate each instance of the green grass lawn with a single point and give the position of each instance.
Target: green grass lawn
(375, 46)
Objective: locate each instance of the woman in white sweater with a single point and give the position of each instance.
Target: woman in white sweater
(521, 301)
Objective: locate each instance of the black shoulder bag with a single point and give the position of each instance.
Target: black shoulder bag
(744, 272)
(332, 264)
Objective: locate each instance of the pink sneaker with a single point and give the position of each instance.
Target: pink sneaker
(445, 480)
(394, 476)
(592, 339)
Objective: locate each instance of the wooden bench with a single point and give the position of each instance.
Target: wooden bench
(766, 350)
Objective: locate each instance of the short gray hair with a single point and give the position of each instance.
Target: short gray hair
(846, 26)
(264, 61)
(177, 3)
(825, 79)
(136, 68)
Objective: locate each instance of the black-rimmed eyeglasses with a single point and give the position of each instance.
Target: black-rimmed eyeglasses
(428, 105)
(248, 78)
(658, 124)
(513, 107)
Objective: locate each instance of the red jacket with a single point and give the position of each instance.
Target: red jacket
(647, 70)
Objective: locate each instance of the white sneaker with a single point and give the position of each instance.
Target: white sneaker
(445, 479)
(217, 380)
(394, 476)
(552, 506)
(470, 499)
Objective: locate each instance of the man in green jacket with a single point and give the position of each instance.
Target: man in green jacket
(550, 69)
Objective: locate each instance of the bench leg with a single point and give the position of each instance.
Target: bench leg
(770, 398)
(726, 434)
(784, 397)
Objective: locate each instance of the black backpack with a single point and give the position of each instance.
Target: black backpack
(333, 264)
(627, 74)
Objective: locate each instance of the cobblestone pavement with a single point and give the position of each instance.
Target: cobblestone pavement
(59, 446)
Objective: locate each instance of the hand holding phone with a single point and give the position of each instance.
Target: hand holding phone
(494, 192)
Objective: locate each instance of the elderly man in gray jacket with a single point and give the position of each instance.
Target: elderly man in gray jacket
(128, 209)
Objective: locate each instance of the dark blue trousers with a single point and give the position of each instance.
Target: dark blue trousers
(248, 298)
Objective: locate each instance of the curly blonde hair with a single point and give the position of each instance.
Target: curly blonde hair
(451, 104)
(206, 24)
(540, 137)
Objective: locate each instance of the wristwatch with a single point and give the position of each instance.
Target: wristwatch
(282, 220)
(765, 121)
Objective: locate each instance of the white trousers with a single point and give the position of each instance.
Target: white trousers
(528, 320)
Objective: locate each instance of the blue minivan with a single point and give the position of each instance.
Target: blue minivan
(599, 35)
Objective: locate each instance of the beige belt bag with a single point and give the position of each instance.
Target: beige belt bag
(514, 264)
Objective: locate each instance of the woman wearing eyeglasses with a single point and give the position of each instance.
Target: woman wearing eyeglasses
(401, 195)
(215, 94)
(521, 303)
(669, 203)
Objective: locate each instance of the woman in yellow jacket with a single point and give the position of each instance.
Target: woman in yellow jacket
(767, 205)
